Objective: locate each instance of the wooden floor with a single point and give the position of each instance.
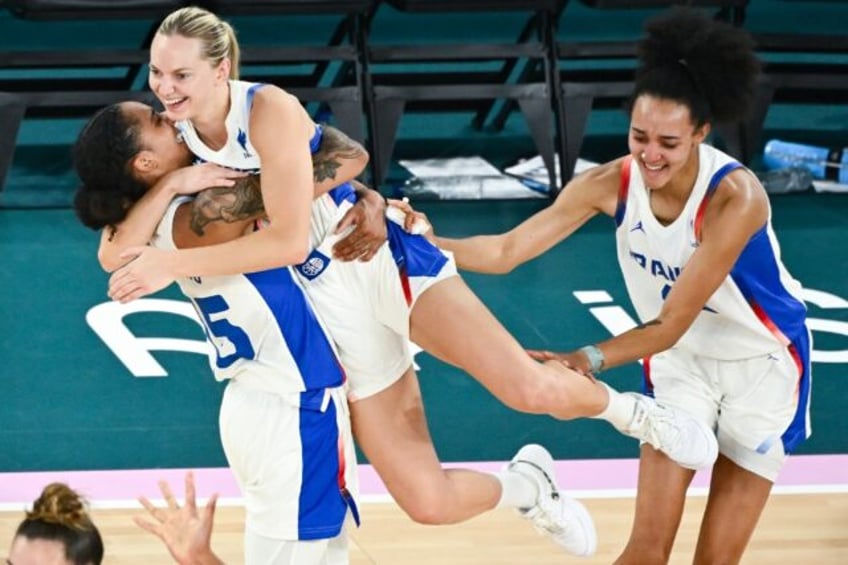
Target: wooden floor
(795, 529)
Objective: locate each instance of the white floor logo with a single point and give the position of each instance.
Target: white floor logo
(107, 321)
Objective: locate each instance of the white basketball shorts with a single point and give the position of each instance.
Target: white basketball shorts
(759, 406)
(293, 459)
(366, 306)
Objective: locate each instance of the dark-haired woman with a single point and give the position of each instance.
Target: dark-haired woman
(723, 333)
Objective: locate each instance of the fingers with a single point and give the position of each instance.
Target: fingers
(348, 220)
(541, 355)
(151, 509)
(168, 495)
(190, 500)
(209, 509)
(356, 249)
(147, 526)
(125, 289)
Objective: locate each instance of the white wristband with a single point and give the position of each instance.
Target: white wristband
(595, 356)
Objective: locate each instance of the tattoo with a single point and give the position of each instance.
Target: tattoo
(335, 147)
(646, 324)
(229, 204)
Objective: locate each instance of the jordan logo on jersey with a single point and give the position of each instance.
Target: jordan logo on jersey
(241, 137)
(314, 265)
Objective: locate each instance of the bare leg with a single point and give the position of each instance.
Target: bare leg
(660, 496)
(391, 429)
(736, 501)
(450, 322)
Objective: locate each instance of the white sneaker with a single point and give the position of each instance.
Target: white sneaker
(562, 518)
(687, 441)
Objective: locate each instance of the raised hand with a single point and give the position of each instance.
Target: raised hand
(186, 533)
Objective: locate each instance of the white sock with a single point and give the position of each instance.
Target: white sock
(517, 491)
(620, 409)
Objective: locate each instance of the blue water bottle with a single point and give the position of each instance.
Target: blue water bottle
(824, 163)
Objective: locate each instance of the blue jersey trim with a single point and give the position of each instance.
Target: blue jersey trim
(798, 430)
(414, 254)
(321, 505)
(757, 275)
(306, 340)
(317, 137)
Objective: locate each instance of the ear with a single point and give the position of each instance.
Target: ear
(144, 162)
(703, 132)
(223, 71)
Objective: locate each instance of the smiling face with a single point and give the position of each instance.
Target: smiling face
(157, 138)
(182, 78)
(662, 139)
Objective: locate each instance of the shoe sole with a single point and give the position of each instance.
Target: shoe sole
(587, 524)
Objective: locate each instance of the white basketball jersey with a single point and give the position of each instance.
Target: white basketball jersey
(262, 325)
(756, 310)
(239, 154)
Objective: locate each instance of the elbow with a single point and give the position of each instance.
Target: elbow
(298, 253)
(108, 261)
(501, 266)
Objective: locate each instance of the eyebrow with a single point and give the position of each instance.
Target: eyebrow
(180, 70)
(665, 137)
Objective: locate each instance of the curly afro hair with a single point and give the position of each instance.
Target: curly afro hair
(708, 65)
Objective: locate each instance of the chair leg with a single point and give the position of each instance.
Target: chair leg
(12, 110)
(537, 112)
(387, 116)
(576, 108)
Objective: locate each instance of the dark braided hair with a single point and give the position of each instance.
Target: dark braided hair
(707, 65)
(61, 515)
(102, 158)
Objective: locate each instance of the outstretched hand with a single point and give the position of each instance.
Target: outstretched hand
(186, 533)
(148, 270)
(574, 360)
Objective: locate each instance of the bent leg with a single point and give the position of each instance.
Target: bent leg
(736, 501)
(660, 496)
(391, 429)
(450, 322)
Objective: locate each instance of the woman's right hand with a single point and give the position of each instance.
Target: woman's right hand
(414, 222)
(193, 179)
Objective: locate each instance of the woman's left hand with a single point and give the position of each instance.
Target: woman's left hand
(368, 218)
(148, 270)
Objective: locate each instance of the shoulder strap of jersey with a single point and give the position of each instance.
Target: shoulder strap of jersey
(623, 189)
(716, 179)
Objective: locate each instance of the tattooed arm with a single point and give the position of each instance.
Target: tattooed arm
(339, 159)
(219, 214)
